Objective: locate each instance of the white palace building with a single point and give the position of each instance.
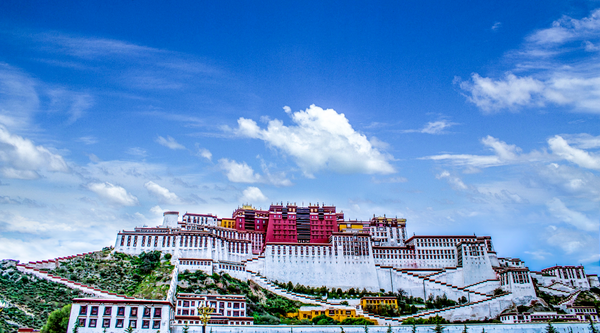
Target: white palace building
(316, 246)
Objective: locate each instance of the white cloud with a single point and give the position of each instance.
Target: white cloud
(567, 28)
(580, 157)
(553, 78)
(22, 159)
(169, 142)
(389, 180)
(18, 97)
(88, 140)
(434, 127)
(492, 95)
(583, 140)
(539, 254)
(321, 139)
(454, 181)
(503, 154)
(574, 218)
(203, 152)
(253, 194)
(496, 26)
(18, 223)
(163, 194)
(113, 193)
(137, 151)
(238, 172)
(156, 210)
(572, 241)
(243, 173)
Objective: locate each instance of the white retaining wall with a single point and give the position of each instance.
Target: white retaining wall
(471, 328)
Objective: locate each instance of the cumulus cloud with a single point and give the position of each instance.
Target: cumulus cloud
(22, 159)
(253, 194)
(320, 139)
(548, 76)
(492, 95)
(574, 218)
(163, 194)
(584, 159)
(238, 172)
(243, 173)
(169, 142)
(113, 193)
(156, 210)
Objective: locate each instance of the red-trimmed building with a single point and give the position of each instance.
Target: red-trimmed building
(228, 309)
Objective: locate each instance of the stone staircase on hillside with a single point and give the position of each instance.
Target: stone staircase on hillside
(307, 299)
(25, 268)
(381, 320)
(472, 295)
(570, 300)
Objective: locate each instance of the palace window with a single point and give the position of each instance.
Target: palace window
(83, 310)
(133, 312)
(106, 323)
(94, 311)
(145, 324)
(93, 322)
(119, 323)
(81, 322)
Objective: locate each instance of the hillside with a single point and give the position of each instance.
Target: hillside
(144, 276)
(30, 299)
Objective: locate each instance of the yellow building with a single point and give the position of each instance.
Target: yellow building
(353, 226)
(227, 223)
(309, 312)
(370, 301)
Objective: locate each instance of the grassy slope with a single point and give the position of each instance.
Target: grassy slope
(31, 300)
(145, 276)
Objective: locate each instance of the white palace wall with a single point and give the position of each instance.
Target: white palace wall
(299, 264)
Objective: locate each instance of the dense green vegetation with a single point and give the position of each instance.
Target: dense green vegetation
(143, 276)
(58, 321)
(31, 300)
(266, 307)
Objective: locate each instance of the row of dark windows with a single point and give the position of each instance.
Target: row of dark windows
(119, 323)
(120, 311)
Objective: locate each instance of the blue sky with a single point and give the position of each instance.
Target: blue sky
(470, 117)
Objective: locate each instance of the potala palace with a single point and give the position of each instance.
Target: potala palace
(316, 246)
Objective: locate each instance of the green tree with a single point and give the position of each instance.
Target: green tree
(438, 328)
(550, 329)
(389, 330)
(186, 328)
(592, 328)
(465, 329)
(414, 327)
(58, 321)
(366, 329)
(129, 329)
(76, 327)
